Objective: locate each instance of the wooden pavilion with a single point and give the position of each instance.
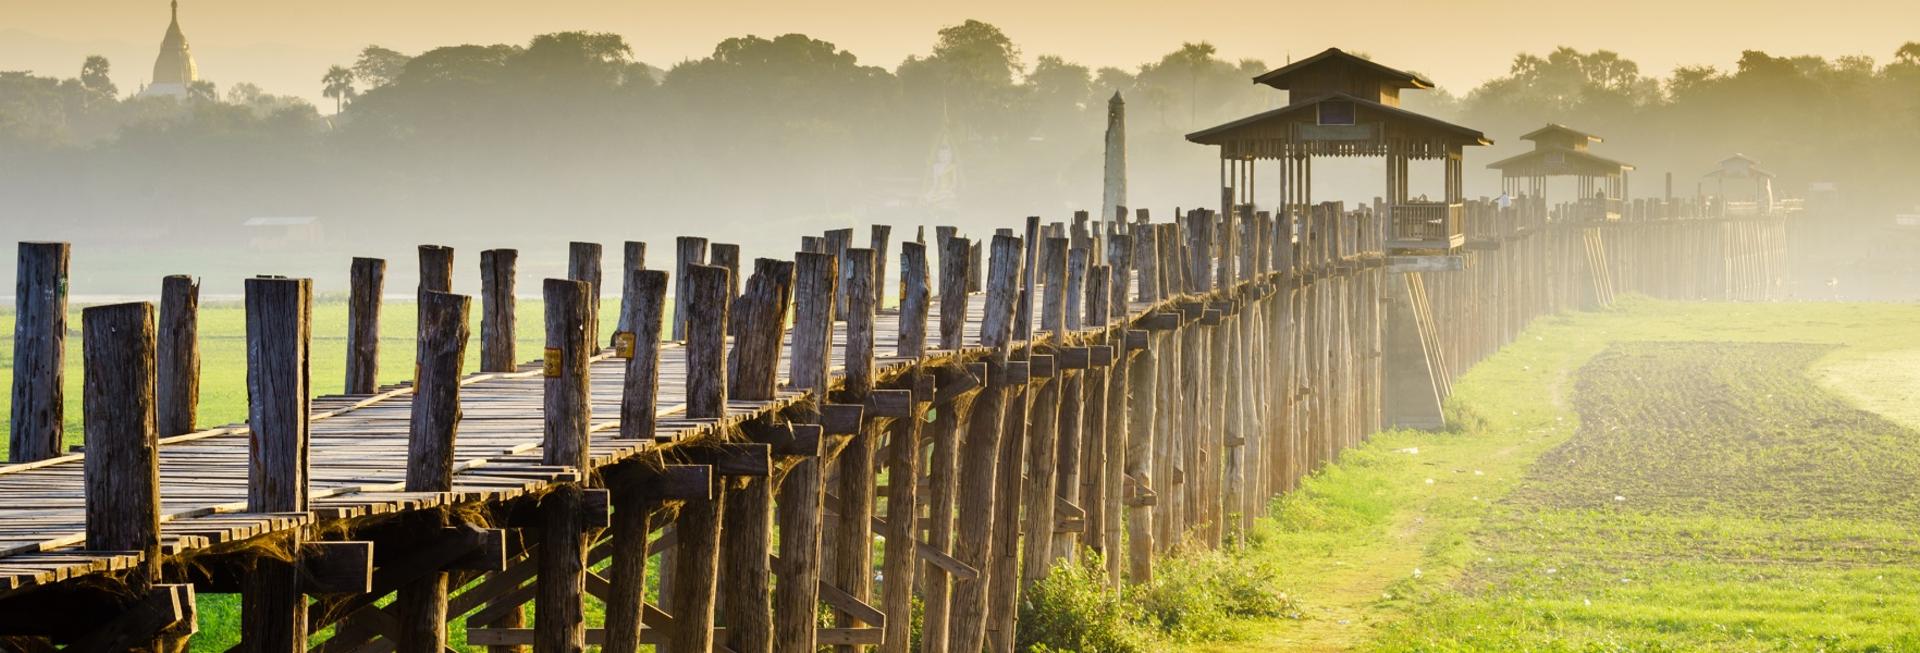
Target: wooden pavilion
(1341, 105)
(1562, 151)
(1740, 168)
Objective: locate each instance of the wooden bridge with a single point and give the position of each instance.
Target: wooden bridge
(1119, 387)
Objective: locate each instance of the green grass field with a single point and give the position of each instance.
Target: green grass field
(1613, 484)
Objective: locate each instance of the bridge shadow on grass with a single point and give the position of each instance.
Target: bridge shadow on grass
(1713, 498)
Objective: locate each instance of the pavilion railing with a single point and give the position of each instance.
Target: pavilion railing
(1427, 225)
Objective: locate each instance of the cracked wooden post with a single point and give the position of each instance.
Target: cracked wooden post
(978, 465)
(497, 304)
(583, 264)
(878, 238)
(943, 465)
(559, 619)
(1094, 450)
(432, 428)
(1142, 422)
(853, 538)
(633, 257)
(436, 271)
(366, 281)
(903, 458)
(273, 613)
(643, 309)
(800, 495)
(757, 321)
(695, 556)
(724, 255)
(121, 469)
(178, 349)
(836, 242)
(39, 352)
(121, 473)
(688, 251)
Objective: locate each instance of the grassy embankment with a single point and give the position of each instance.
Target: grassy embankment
(1651, 497)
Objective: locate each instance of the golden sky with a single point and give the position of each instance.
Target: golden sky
(285, 46)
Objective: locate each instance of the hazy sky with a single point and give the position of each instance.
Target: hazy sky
(285, 46)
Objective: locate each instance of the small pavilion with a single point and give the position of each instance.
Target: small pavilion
(1342, 105)
(1562, 151)
(1740, 168)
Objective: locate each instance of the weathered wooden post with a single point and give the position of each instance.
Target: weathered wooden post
(436, 270)
(121, 469)
(434, 424)
(497, 306)
(727, 256)
(121, 476)
(633, 258)
(635, 495)
(583, 264)
(903, 459)
(1042, 431)
(944, 463)
(1092, 492)
(39, 352)
(877, 241)
(642, 348)
(366, 280)
(559, 619)
(837, 241)
(978, 465)
(853, 538)
(273, 612)
(798, 506)
(695, 557)
(757, 321)
(1142, 421)
(688, 251)
(178, 365)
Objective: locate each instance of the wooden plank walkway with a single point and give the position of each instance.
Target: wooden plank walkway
(359, 460)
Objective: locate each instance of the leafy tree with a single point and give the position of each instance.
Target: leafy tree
(1908, 54)
(378, 66)
(95, 75)
(203, 92)
(339, 86)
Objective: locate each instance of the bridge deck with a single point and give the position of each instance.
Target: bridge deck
(358, 455)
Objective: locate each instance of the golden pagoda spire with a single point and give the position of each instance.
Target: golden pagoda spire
(174, 69)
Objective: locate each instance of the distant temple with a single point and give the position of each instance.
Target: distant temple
(174, 69)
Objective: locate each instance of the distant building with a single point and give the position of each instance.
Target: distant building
(174, 69)
(283, 233)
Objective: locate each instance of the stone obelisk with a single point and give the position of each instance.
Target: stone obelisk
(1114, 193)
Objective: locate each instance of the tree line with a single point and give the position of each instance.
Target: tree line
(764, 131)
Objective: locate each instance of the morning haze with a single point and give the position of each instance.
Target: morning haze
(483, 124)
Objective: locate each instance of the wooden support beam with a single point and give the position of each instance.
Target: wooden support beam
(163, 608)
(645, 309)
(497, 310)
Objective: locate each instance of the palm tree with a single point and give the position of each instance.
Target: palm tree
(339, 86)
